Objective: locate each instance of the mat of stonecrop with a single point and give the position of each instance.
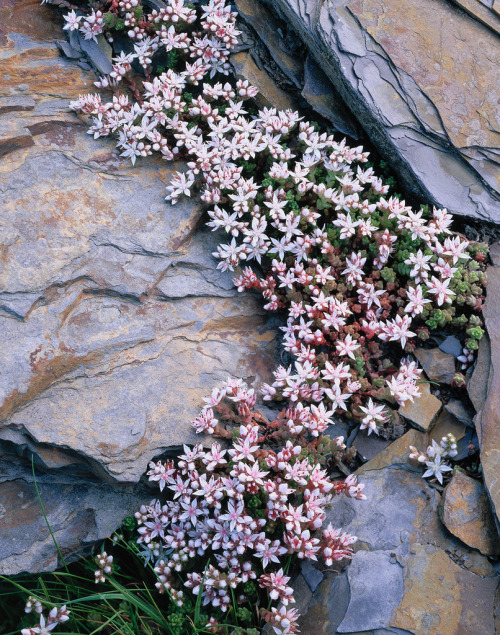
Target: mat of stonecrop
(360, 278)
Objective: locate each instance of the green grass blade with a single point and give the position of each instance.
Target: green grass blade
(44, 514)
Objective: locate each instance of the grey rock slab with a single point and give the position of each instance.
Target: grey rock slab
(422, 80)
(485, 393)
(97, 53)
(495, 254)
(68, 51)
(369, 571)
(312, 576)
(265, 24)
(451, 345)
(369, 446)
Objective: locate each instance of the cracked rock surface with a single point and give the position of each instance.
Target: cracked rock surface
(408, 574)
(114, 321)
(422, 77)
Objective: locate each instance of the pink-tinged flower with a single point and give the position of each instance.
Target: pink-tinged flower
(375, 415)
(268, 550)
(72, 21)
(192, 510)
(347, 346)
(215, 457)
(337, 397)
(397, 329)
(439, 288)
(354, 268)
(336, 545)
(403, 388)
(455, 247)
(283, 620)
(369, 295)
(416, 299)
(277, 583)
(420, 265)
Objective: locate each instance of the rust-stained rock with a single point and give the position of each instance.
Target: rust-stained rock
(438, 366)
(408, 575)
(116, 319)
(422, 77)
(466, 512)
(422, 413)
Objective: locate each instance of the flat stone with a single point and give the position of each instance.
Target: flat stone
(423, 412)
(312, 576)
(408, 575)
(447, 424)
(321, 95)
(270, 95)
(462, 412)
(422, 78)
(438, 366)
(15, 103)
(466, 512)
(452, 346)
(68, 51)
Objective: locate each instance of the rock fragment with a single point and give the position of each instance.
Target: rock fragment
(438, 366)
(466, 512)
(423, 412)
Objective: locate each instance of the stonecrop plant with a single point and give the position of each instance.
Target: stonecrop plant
(359, 276)
(230, 517)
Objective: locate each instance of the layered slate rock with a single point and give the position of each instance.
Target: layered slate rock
(115, 322)
(79, 511)
(408, 575)
(484, 390)
(422, 77)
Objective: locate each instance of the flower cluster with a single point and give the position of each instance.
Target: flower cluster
(244, 507)
(360, 275)
(56, 616)
(158, 119)
(435, 457)
(105, 566)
